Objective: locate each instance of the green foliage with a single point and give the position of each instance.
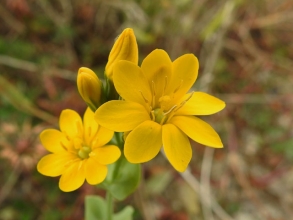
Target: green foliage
(285, 147)
(158, 182)
(122, 179)
(96, 209)
(22, 49)
(125, 214)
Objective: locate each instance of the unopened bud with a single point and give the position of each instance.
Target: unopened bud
(125, 48)
(89, 87)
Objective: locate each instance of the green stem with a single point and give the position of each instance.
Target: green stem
(109, 199)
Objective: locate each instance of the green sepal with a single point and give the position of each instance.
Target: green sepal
(96, 209)
(122, 179)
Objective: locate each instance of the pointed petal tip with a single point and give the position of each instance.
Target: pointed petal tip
(216, 145)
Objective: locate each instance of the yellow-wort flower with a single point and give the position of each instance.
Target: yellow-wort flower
(157, 111)
(89, 87)
(78, 151)
(125, 48)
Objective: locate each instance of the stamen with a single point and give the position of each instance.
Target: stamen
(180, 85)
(144, 97)
(153, 88)
(154, 93)
(90, 131)
(153, 115)
(183, 103)
(170, 110)
(79, 128)
(94, 142)
(67, 136)
(63, 146)
(163, 119)
(165, 86)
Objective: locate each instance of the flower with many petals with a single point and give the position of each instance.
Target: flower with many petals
(78, 151)
(156, 111)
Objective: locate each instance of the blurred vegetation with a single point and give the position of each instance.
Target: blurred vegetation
(245, 52)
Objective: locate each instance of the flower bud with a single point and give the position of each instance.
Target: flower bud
(125, 48)
(89, 87)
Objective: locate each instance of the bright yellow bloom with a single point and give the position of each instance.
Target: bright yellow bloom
(157, 110)
(78, 151)
(125, 48)
(89, 87)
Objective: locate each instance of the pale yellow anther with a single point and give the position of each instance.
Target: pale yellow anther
(165, 102)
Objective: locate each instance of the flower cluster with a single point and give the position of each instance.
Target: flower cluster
(154, 108)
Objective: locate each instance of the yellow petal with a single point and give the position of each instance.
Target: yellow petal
(70, 123)
(90, 126)
(198, 130)
(144, 142)
(177, 147)
(201, 104)
(54, 140)
(159, 83)
(55, 164)
(131, 83)
(73, 177)
(94, 172)
(106, 155)
(103, 136)
(121, 116)
(185, 71)
(154, 62)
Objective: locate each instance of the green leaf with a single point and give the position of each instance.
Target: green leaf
(122, 179)
(125, 214)
(95, 208)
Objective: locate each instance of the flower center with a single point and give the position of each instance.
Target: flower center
(84, 152)
(159, 116)
(167, 110)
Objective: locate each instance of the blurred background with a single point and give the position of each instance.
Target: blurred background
(245, 50)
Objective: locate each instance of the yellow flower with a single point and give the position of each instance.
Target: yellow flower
(157, 110)
(89, 87)
(125, 48)
(78, 151)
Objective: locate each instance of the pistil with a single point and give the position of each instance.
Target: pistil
(84, 152)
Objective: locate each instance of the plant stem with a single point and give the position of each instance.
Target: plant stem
(109, 199)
